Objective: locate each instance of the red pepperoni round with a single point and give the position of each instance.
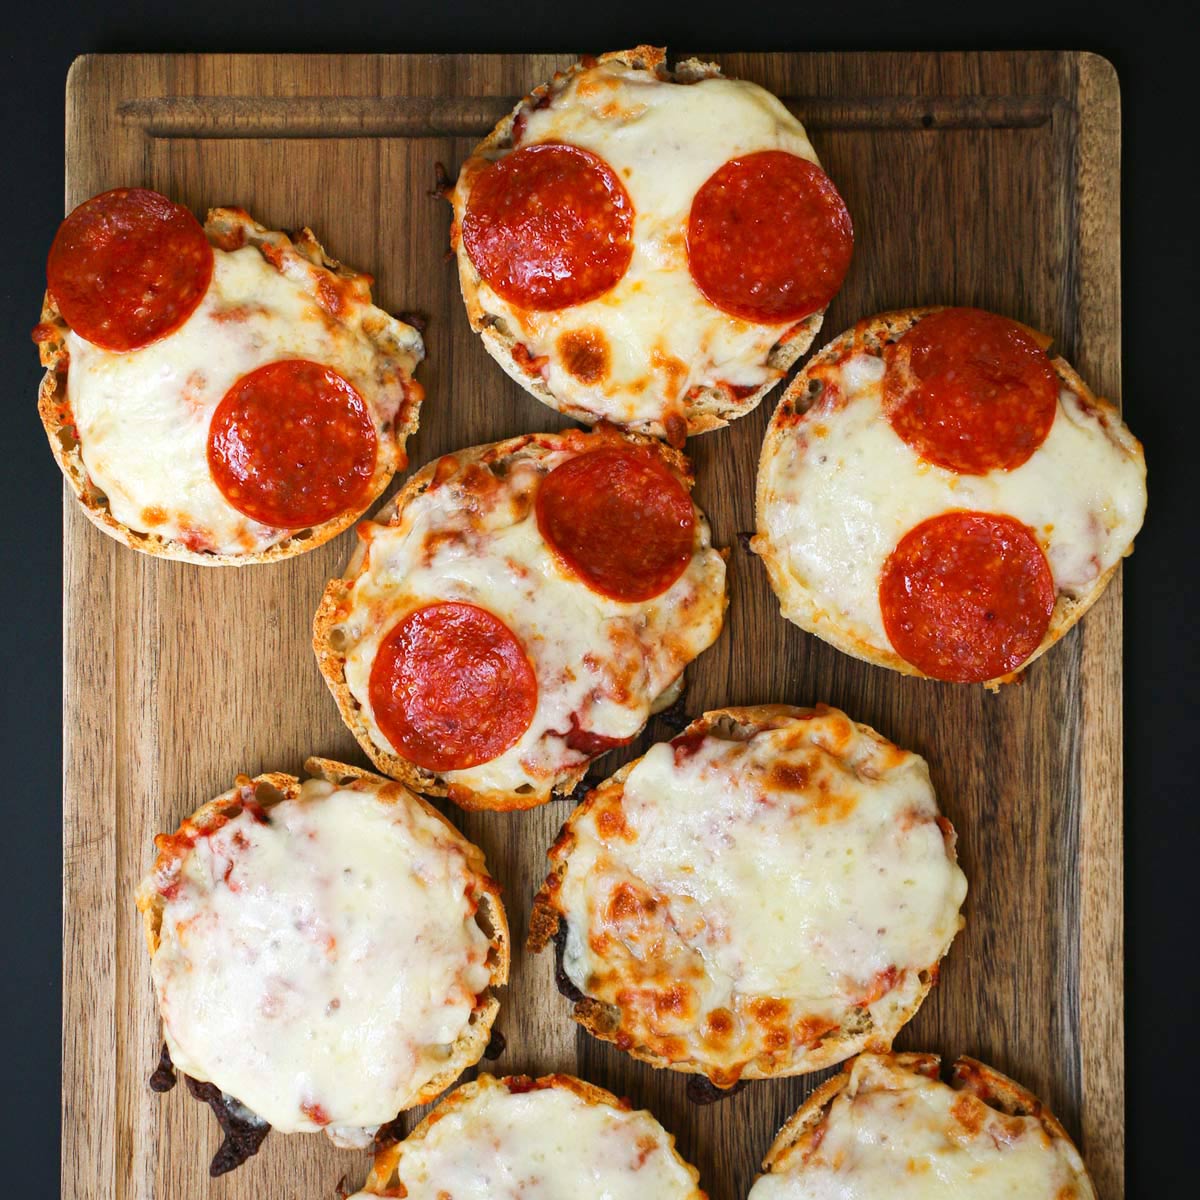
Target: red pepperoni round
(619, 520)
(128, 267)
(292, 444)
(549, 226)
(970, 391)
(967, 596)
(451, 687)
(769, 238)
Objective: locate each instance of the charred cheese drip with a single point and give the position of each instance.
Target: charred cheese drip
(143, 416)
(547, 1143)
(896, 1133)
(319, 966)
(473, 536)
(844, 488)
(633, 354)
(736, 900)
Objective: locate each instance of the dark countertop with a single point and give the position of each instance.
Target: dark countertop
(1155, 62)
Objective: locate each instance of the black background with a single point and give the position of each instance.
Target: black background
(1154, 50)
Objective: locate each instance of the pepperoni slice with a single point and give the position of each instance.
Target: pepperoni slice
(619, 520)
(967, 596)
(970, 391)
(128, 267)
(549, 226)
(451, 687)
(769, 238)
(292, 444)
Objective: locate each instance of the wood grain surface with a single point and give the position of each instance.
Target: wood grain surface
(987, 179)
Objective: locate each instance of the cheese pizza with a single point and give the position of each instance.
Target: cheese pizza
(939, 495)
(888, 1126)
(219, 394)
(767, 894)
(323, 952)
(519, 609)
(649, 247)
(554, 1138)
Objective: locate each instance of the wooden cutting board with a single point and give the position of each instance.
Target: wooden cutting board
(987, 179)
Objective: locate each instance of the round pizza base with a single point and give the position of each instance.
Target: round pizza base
(803, 607)
(603, 1021)
(712, 408)
(472, 1042)
(55, 413)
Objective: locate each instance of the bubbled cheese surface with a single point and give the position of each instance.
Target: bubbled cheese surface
(772, 880)
(475, 538)
(320, 966)
(143, 416)
(544, 1144)
(663, 338)
(896, 1134)
(842, 488)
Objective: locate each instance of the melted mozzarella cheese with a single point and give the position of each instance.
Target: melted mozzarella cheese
(663, 140)
(143, 416)
(320, 967)
(844, 488)
(800, 864)
(901, 1135)
(545, 1144)
(600, 660)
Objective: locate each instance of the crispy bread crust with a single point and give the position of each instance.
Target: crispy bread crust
(472, 1042)
(229, 227)
(799, 605)
(713, 407)
(382, 1179)
(335, 605)
(603, 1021)
(965, 1074)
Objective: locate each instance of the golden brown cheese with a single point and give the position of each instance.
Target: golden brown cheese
(136, 423)
(758, 900)
(469, 533)
(838, 489)
(555, 1138)
(652, 352)
(317, 955)
(900, 1132)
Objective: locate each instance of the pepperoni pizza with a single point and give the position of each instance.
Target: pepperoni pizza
(519, 609)
(649, 247)
(217, 393)
(939, 495)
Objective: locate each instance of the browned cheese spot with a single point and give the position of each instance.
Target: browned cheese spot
(584, 354)
(718, 1026)
(610, 822)
(627, 904)
(674, 1001)
(768, 1010)
(969, 1113)
(791, 777)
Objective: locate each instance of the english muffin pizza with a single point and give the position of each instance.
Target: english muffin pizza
(889, 1126)
(939, 495)
(217, 393)
(555, 1138)
(767, 894)
(646, 246)
(519, 609)
(323, 952)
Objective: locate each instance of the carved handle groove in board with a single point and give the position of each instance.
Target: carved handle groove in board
(474, 116)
